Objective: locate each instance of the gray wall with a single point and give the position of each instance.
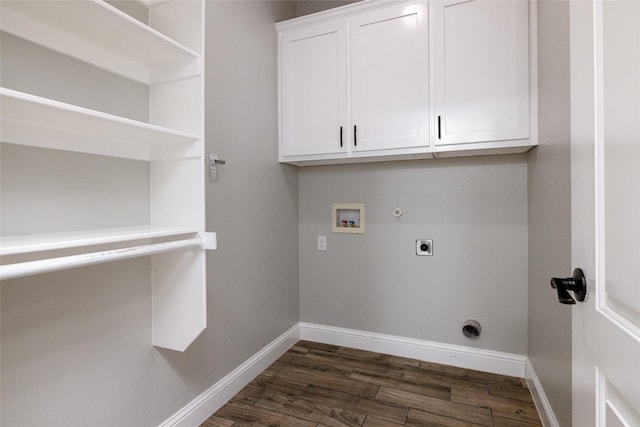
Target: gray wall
(253, 276)
(305, 7)
(75, 345)
(549, 188)
(474, 209)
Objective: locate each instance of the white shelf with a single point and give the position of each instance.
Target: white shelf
(14, 245)
(170, 61)
(98, 33)
(40, 122)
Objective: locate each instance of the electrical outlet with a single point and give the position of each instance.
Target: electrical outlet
(424, 247)
(322, 243)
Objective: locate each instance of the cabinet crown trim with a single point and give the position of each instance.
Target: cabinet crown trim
(342, 12)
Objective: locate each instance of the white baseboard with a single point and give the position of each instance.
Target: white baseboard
(430, 351)
(543, 406)
(198, 410)
(201, 408)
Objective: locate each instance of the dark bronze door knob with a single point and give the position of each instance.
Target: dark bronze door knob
(577, 284)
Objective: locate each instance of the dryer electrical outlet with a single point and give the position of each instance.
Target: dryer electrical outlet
(424, 247)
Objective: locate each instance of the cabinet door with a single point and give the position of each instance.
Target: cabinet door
(389, 78)
(481, 71)
(313, 90)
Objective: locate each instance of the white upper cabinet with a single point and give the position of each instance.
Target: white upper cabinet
(314, 90)
(389, 78)
(354, 85)
(405, 79)
(481, 81)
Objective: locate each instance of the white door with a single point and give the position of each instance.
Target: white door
(605, 164)
(390, 78)
(314, 90)
(480, 71)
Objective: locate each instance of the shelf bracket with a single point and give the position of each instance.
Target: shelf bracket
(209, 240)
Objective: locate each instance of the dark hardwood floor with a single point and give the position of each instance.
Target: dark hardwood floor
(324, 385)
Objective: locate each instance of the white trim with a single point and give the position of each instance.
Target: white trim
(430, 351)
(201, 408)
(346, 11)
(547, 416)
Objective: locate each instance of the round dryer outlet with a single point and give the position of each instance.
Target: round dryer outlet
(424, 247)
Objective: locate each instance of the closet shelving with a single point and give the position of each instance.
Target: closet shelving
(16, 245)
(166, 55)
(98, 33)
(36, 121)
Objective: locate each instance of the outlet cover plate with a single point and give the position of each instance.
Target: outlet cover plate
(322, 243)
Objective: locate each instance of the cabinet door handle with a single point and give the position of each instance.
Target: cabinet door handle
(340, 136)
(439, 133)
(355, 135)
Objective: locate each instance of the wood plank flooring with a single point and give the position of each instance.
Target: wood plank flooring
(315, 385)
